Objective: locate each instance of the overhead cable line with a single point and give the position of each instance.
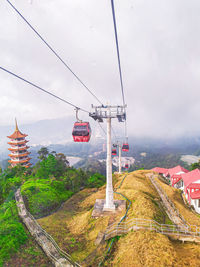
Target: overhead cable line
(102, 128)
(114, 133)
(119, 62)
(55, 53)
(117, 46)
(45, 91)
(126, 135)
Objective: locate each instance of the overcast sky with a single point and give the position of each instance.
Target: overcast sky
(160, 55)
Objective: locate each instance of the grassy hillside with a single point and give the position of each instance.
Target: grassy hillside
(44, 188)
(76, 232)
(152, 249)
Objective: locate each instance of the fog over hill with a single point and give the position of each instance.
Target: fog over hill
(45, 132)
(56, 134)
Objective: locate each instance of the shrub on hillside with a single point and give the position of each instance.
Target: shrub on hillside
(12, 233)
(96, 180)
(44, 195)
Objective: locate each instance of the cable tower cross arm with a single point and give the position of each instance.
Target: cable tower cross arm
(53, 51)
(105, 112)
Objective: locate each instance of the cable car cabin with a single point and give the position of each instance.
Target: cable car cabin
(81, 132)
(114, 152)
(126, 166)
(125, 147)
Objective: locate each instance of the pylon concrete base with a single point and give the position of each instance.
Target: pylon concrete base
(100, 210)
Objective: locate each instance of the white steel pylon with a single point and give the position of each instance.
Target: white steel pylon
(109, 112)
(120, 160)
(109, 205)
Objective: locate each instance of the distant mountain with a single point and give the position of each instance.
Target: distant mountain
(56, 134)
(45, 133)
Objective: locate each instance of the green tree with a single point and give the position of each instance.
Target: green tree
(43, 153)
(195, 165)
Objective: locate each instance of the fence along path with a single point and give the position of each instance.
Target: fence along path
(171, 210)
(137, 224)
(57, 256)
(180, 228)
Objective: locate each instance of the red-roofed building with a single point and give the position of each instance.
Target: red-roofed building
(176, 181)
(191, 177)
(185, 180)
(194, 196)
(191, 182)
(176, 170)
(159, 170)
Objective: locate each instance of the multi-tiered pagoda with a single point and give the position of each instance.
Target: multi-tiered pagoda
(19, 153)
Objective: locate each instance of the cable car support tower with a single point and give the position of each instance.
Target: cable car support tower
(99, 114)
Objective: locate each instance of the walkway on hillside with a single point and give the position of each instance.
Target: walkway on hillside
(58, 257)
(180, 230)
(171, 210)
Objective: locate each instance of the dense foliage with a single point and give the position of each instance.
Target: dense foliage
(12, 233)
(195, 165)
(44, 187)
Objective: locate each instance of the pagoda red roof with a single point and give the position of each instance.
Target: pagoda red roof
(18, 143)
(19, 155)
(17, 134)
(18, 148)
(20, 161)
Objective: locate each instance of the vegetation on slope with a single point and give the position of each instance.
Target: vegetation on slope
(44, 187)
(29, 254)
(75, 230)
(12, 233)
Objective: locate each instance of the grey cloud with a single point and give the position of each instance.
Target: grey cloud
(159, 44)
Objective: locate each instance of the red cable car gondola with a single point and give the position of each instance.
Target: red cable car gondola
(81, 132)
(125, 147)
(114, 152)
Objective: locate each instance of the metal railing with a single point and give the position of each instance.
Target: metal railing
(137, 224)
(167, 229)
(175, 209)
(38, 236)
